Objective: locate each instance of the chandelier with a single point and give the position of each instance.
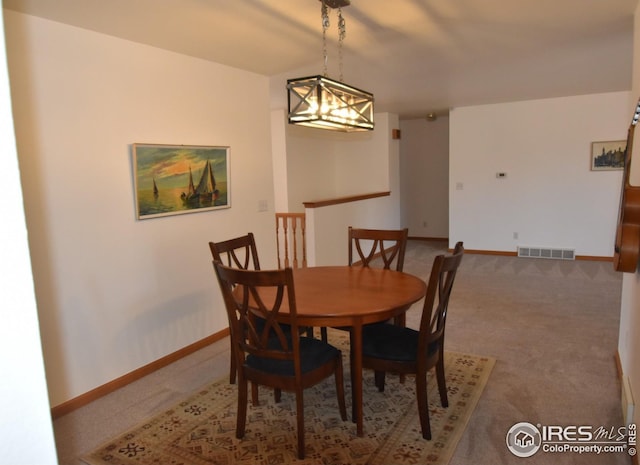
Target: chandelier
(321, 102)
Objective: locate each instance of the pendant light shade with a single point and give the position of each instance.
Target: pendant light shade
(320, 102)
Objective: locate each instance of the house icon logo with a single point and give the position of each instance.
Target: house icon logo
(523, 439)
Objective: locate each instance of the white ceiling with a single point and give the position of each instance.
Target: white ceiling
(416, 56)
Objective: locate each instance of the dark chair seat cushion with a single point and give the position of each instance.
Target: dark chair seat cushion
(390, 342)
(313, 354)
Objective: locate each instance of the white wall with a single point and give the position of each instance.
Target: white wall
(279, 154)
(324, 164)
(27, 435)
(629, 339)
(327, 227)
(366, 162)
(311, 158)
(549, 197)
(115, 293)
(424, 168)
(363, 165)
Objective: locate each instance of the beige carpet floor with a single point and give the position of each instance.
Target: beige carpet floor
(551, 325)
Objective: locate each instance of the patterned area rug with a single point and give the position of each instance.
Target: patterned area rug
(201, 429)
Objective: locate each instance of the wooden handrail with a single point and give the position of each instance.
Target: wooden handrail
(339, 200)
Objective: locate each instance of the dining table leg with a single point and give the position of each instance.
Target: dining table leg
(356, 377)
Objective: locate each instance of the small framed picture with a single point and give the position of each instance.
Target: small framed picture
(177, 179)
(608, 155)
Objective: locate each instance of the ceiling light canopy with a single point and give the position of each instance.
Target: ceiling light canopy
(336, 3)
(321, 102)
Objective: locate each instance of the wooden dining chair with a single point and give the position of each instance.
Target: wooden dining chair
(384, 248)
(388, 245)
(391, 348)
(268, 354)
(239, 252)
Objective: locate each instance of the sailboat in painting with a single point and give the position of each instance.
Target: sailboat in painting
(205, 192)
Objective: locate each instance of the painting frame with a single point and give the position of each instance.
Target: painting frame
(608, 155)
(178, 179)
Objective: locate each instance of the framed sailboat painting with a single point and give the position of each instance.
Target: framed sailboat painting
(177, 179)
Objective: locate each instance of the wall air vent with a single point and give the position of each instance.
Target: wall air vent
(546, 252)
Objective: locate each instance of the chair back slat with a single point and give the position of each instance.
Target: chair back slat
(244, 295)
(239, 252)
(266, 344)
(367, 245)
(291, 241)
(436, 303)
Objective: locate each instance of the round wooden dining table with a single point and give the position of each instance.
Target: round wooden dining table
(352, 296)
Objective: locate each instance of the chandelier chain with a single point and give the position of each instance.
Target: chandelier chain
(325, 25)
(342, 32)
